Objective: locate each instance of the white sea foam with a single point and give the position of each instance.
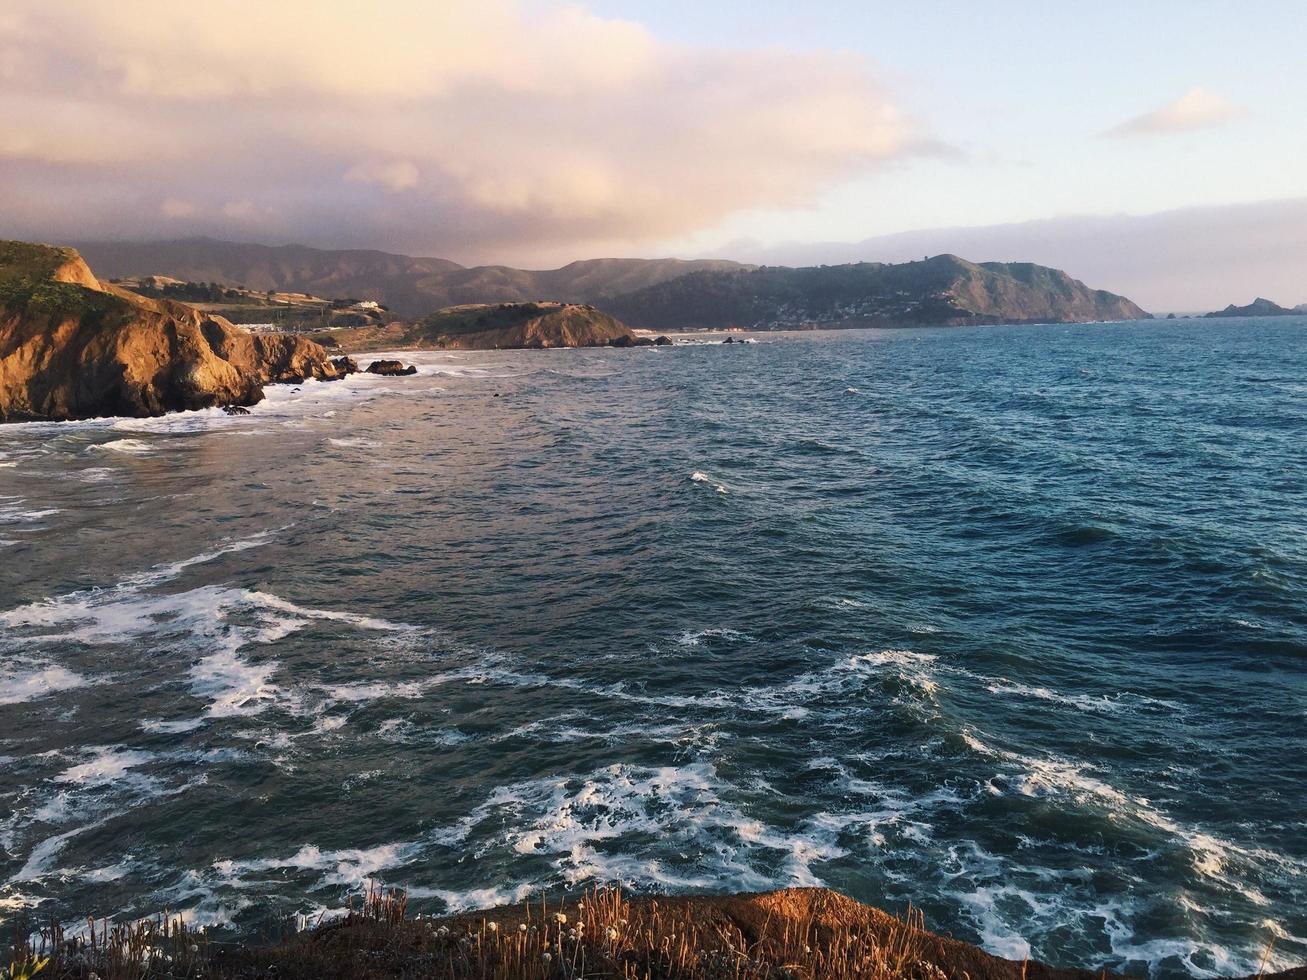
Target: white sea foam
(26, 680)
(1098, 703)
(132, 447)
(1219, 860)
(349, 867)
(103, 765)
(156, 726)
(97, 474)
(218, 622)
(14, 510)
(700, 477)
(694, 638)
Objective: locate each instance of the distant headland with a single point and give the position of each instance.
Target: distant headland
(653, 294)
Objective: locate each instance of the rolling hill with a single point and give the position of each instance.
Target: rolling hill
(412, 286)
(941, 291)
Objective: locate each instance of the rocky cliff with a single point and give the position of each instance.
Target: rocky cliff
(503, 326)
(941, 291)
(72, 347)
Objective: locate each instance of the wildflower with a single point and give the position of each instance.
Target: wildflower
(194, 948)
(442, 932)
(546, 956)
(571, 934)
(808, 950)
(612, 934)
(560, 918)
(521, 927)
(492, 926)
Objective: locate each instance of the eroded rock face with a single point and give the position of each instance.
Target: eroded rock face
(73, 348)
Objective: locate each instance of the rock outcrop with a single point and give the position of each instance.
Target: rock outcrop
(392, 369)
(72, 347)
(505, 326)
(1258, 307)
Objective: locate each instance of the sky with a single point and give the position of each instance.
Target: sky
(532, 132)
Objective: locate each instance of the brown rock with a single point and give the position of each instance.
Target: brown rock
(72, 347)
(391, 368)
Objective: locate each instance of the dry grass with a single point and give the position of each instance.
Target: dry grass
(600, 935)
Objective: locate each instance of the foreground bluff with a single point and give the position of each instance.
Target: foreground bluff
(72, 347)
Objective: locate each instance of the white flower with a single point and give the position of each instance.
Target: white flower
(521, 927)
(560, 918)
(492, 926)
(194, 948)
(546, 957)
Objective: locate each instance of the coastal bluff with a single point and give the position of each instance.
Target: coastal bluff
(787, 934)
(491, 326)
(73, 347)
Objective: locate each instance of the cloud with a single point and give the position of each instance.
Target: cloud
(1196, 109)
(463, 126)
(174, 207)
(395, 175)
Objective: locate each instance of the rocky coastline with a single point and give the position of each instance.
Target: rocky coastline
(72, 347)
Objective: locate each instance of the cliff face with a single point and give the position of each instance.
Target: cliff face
(940, 291)
(506, 326)
(73, 348)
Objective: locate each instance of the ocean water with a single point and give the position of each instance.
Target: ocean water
(1006, 623)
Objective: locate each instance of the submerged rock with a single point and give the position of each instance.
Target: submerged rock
(72, 347)
(391, 368)
(235, 410)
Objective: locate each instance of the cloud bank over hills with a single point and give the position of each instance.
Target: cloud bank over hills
(463, 126)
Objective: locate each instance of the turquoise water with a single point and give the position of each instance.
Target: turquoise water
(1008, 623)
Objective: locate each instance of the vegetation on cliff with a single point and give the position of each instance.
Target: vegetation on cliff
(791, 934)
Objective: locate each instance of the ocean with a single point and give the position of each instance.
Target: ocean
(1005, 624)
